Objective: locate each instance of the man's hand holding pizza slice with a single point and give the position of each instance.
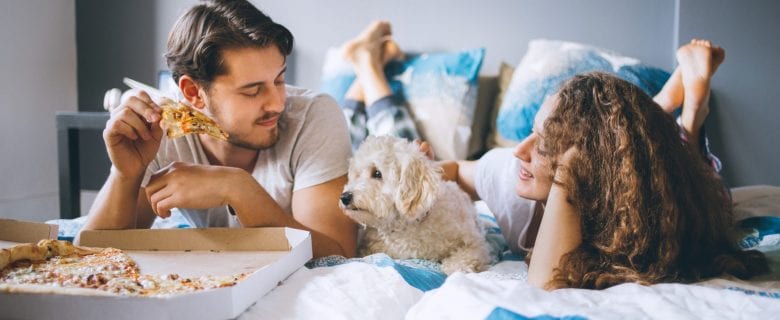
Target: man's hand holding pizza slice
(133, 134)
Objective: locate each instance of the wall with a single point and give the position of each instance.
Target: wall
(115, 39)
(504, 27)
(39, 79)
(742, 123)
(649, 30)
(745, 112)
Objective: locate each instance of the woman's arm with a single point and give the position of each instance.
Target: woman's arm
(461, 172)
(559, 232)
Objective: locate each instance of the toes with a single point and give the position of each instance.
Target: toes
(701, 42)
(377, 29)
(387, 29)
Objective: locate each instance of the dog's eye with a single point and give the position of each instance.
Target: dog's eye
(376, 174)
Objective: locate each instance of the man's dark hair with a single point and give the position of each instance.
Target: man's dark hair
(199, 37)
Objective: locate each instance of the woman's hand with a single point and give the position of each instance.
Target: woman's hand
(564, 163)
(425, 148)
(559, 231)
(449, 169)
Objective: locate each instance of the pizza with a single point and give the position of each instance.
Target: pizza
(180, 119)
(53, 266)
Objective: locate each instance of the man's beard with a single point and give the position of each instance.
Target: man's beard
(238, 141)
(271, 141)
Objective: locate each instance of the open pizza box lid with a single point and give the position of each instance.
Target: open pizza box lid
(267, 255)
(13, 232)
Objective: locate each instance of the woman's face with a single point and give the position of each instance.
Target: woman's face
(534, 169)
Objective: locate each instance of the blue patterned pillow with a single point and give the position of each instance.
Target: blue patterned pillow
(547, 64)
(760, 233)
(439, 88)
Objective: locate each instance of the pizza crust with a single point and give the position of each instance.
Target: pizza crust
(27, 251)
(40, 251)
(59, 267)
(5, 258)
(65, 248)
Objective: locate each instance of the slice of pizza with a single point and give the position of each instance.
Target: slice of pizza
(42, 250)
(61, 264)
(59, 267)
(180, 119)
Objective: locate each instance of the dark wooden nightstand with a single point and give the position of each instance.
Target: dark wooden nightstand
(68, 126)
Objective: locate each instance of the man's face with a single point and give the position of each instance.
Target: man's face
(248, 100)
(534, 169)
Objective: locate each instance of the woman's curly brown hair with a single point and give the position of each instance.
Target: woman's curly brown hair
(652, 210)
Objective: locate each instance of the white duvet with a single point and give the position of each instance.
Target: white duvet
(474, 297)
(361, 290)
(377, 287)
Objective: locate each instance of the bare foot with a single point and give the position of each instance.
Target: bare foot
(373, 45)
(698, 62)
(369, 53)
(368, 44)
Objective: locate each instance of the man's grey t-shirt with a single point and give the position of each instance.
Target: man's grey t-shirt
(495, 182)
(313, 148)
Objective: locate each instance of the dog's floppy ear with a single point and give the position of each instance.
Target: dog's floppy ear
(417, 188)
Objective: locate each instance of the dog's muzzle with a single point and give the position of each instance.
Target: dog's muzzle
(346, 198)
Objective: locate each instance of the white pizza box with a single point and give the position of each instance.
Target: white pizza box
(13, 232)
(269, 254)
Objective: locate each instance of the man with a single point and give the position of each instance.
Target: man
(285, 160)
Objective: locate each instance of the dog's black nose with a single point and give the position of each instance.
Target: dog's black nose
(346, 198)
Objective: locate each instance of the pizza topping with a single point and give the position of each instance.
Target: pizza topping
(180, 119)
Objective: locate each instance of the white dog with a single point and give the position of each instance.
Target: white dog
(398, 194)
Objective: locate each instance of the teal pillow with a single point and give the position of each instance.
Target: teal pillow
(440, 90)
(547, 64)
(760, 233)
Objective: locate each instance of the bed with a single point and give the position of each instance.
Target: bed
(379, 287)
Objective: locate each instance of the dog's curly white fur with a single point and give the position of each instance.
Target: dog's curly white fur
(409, 211)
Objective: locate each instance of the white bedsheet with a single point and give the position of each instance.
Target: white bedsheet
(349, 291)
(471, 296)
(364, 290)
(377, 287)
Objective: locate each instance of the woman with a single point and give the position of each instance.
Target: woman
(608, 192)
